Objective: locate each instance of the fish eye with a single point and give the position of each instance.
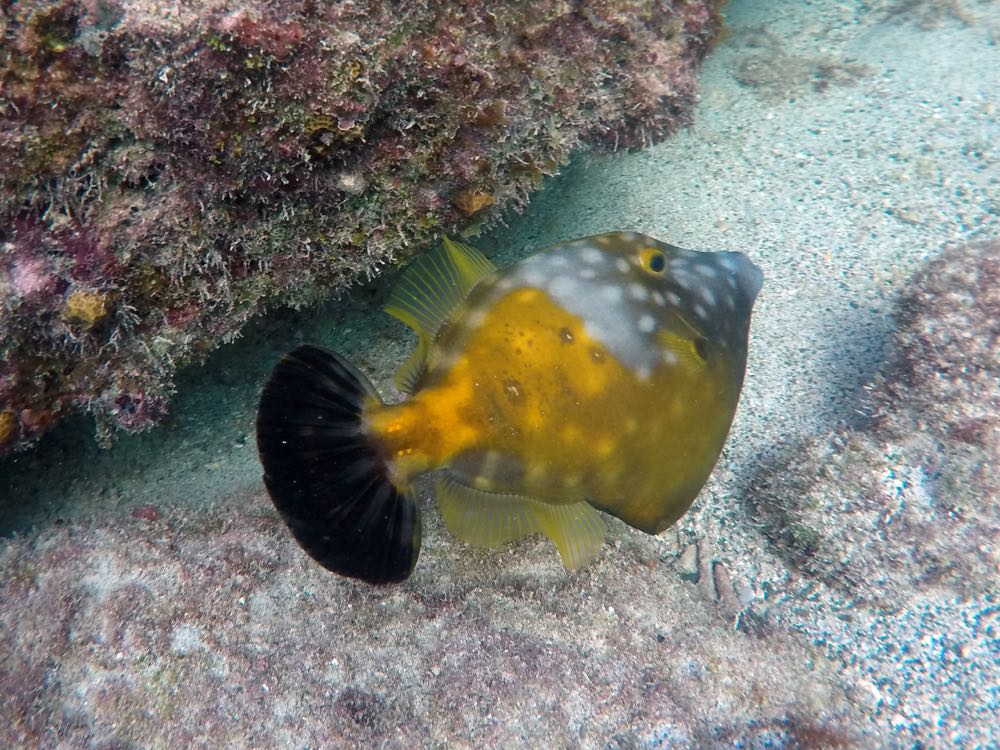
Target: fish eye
(653, 260)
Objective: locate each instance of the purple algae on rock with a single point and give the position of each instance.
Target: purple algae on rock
(169, 171)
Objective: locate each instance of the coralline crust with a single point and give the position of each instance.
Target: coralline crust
(191, 163)
(909, 501)
(133, 630)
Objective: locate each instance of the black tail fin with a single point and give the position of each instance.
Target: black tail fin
(326, 476)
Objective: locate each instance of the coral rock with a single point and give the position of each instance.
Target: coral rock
(912, 500)
(195, 161)
(213, 630)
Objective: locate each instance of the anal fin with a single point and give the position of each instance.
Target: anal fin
(577, 531)
(488, 519)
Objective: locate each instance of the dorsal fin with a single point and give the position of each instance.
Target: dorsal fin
(428, 292)
(434, 285)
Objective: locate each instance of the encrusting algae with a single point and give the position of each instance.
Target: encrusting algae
(601, 374)
(85, 309)
(8, 425)
(241, 153)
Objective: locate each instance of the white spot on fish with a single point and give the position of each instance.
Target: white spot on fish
(730, 262)
(679, 265)
(708, 295)
(563, 286)
(643, 373)
(683, 281)
(534, 277)
(706, 271)
(595, 332)
(491, 462)
(638, 292)
(647, 324)
(475, 318)
(537, 471)
(669, 357)
(622, 265)
(700, 311)
(659, 299)
(587, 274)
(673, 299)
(612, 293)
(591, 255)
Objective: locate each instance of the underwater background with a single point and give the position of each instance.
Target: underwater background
(834, 585)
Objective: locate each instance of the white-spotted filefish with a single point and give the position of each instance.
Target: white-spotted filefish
(600, 374)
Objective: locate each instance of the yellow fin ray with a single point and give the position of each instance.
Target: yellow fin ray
(679, 337)
(577, 531)
(435, 284)
(487, 519)
(483, 519)
(684, 350)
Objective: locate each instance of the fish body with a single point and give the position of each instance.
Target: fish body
(599, 374)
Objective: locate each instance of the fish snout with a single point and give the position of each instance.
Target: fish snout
(748, 274)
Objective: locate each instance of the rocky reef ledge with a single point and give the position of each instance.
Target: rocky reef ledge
(170, 170)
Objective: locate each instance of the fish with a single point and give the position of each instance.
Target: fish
(597, 376)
